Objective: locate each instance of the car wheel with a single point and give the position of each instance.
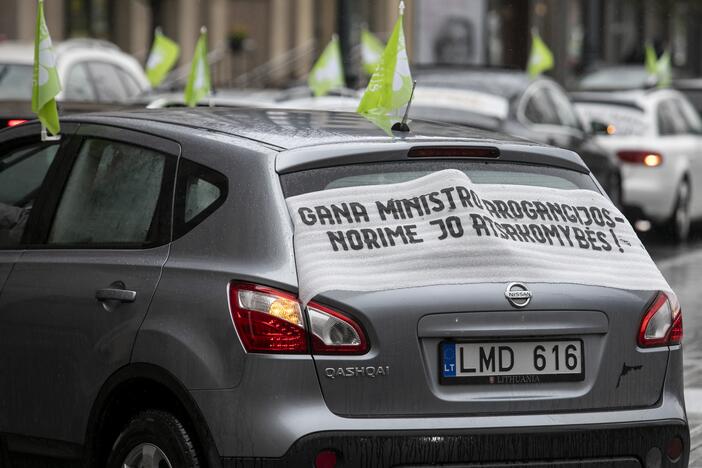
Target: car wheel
(153, 439)
(680, 220)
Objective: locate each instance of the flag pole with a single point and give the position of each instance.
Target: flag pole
(402, 126)
(46, 137)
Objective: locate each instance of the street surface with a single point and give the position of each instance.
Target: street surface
(682, 267)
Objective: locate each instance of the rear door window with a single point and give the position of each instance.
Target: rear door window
(115, 196)
(397, 172)
(539, 108)
(78, 85)
(22, 173)
(107, 82)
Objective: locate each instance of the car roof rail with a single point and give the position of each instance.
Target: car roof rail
(87, 43)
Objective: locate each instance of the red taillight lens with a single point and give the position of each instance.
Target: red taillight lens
(15, 122)
(271, 321)
(267, 320)
(646, 158)
(334, 333)
(662, 323)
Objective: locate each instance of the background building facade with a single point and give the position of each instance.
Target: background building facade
(274, 42)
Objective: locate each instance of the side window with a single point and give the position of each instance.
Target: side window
(22, 173)
(199, 192)
(540, 110)
(78, 85)
(692, 118)
(564, 108)
(113, 196)
(128, 82)
(107, 82)
(671, 121)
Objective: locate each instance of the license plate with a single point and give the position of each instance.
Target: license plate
(518, 362)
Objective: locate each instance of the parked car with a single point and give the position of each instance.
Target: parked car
(149, 313)
(657, 136)
(94, 75)
(509, 101)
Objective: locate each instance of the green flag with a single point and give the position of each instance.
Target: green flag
(164, 54)
(390, 86)
(659, 67)
(371, 51)
(45, 79)
(540, 58)
(651, 60)
(328, 72)
(664, 70)
(199, 84)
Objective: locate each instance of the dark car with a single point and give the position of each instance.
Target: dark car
(511, 102)
(150, 311)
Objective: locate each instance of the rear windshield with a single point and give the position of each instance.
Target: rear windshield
(15, 82)
(395, 172)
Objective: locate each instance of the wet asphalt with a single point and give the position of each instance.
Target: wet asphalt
(682, 267)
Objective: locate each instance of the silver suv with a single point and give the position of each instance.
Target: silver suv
(149, 312)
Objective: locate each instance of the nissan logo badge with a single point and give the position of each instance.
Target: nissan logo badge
(518, 295)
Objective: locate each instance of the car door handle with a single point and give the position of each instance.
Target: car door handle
(115, 294)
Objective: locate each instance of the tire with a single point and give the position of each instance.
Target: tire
(153, 439)
(678, 226)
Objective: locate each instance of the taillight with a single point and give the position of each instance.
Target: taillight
(334, 333)
(662, 324)
(271, 321)
(647, 158)
(15, 122)
(268, 320)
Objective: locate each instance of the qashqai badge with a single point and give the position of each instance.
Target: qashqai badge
(518, 295)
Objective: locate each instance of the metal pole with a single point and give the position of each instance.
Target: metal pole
(349, 37)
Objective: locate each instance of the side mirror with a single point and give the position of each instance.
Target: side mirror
(599, 128)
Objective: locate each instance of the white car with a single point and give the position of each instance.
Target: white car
(657, 137)
(89, 70)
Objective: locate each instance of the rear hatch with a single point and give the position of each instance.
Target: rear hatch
(422, 338)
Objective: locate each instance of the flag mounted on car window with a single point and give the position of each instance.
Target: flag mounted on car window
(540, 58)
(390, 86)
(45, 80)
(371, 51)
(199, 84)
(328, 72)
(164, 54)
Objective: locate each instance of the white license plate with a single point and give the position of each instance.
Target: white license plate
(518, 362)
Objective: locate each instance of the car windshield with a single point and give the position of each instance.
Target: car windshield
(15, 82)
(621, 120)
(617, 78)
(397, 172)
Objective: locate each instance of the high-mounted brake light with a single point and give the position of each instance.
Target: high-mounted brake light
(662, 324)
(15, 122)
(646, 158)
(271, 321)
(454, 152)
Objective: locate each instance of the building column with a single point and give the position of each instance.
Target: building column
(280, 38)
(218, 34)
(304, 35)
(188, 28)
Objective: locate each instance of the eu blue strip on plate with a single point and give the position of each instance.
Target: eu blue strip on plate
(448, 350)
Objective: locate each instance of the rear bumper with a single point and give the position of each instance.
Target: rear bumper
(618, 445)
